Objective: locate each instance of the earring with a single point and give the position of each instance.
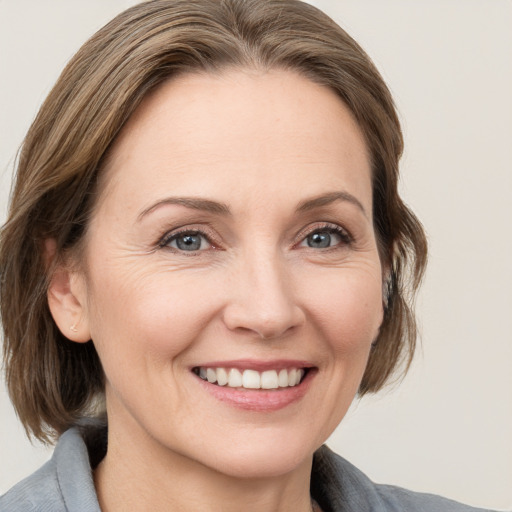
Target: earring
(73, 328)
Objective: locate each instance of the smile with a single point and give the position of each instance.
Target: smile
(252, 379)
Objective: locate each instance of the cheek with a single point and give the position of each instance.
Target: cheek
(152, 313)
(347, 307)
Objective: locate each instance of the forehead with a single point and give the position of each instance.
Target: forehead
(204, 134)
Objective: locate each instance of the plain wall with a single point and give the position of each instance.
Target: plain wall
(447, 428)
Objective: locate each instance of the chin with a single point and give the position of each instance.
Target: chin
(262, 458)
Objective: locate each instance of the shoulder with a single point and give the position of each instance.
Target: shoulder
(40, 491)
(64, 483)
(341, 486)
(397, 499)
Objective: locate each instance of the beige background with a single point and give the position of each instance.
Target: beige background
(448, 428)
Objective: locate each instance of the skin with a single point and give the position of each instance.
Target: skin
(261, 143)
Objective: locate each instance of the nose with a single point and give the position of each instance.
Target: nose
(262, 299)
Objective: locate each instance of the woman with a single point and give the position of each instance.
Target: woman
(206, 251)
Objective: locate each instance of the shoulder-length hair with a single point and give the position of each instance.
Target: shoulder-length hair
(54, 382)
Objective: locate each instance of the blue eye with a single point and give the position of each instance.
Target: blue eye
(188, 241)
(320, 240)
(325, 238)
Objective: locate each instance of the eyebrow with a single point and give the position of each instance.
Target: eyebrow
(331, 197)
(207, 205)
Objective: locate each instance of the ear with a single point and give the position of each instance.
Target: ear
(67, 297)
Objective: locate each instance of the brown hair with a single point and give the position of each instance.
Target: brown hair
(54, 382)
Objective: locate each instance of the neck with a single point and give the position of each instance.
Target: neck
(142, 476)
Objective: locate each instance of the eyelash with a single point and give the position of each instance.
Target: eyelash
(346, 238)
(169, 237)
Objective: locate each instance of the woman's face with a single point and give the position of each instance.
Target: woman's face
(234, 232)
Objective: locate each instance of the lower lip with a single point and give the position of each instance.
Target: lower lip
(259, 399)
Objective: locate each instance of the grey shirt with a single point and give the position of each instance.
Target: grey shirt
(65, 483)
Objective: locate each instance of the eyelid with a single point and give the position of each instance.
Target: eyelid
(210, 237)
(168, 236)
(326, 226)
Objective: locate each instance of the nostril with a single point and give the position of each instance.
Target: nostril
(267, 325)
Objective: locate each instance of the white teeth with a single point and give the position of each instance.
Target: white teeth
(283, 378)
(211, 375)
(269, 380)
(235, 378)
(252, 379)
(222, 377)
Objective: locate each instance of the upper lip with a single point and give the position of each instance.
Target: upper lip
(258, 365)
